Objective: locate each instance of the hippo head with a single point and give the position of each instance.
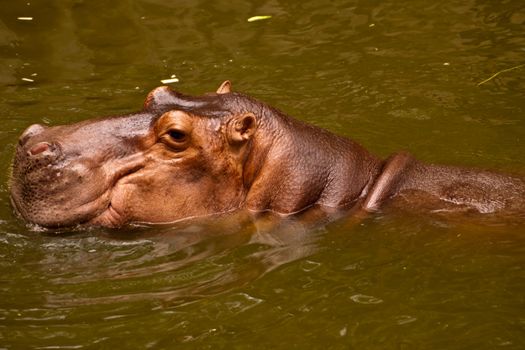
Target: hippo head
(179, 157)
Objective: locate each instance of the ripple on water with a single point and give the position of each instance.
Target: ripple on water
(240, 302)
(365, 299)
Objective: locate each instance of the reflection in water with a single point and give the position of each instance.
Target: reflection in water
(186, 262)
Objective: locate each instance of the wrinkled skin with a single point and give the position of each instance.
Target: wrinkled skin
(182, 157)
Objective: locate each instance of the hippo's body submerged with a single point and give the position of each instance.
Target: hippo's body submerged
(183, 157)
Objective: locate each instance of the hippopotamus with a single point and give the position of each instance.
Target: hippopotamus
(185, 156)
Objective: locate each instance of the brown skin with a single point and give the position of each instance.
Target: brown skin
(183, 157)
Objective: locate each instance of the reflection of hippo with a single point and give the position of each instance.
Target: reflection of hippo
(185, 156)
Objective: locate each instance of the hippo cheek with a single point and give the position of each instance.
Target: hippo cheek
(133, 198)
(157, 195)
(149, 202)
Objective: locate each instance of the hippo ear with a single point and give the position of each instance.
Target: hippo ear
(241, 128)
(225, 87)
(161, 95)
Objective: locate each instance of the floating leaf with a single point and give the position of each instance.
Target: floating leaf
(169, 81)
(258, 18)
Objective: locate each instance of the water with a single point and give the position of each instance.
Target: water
(390, 75)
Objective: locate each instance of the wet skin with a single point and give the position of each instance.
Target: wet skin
(182, 157)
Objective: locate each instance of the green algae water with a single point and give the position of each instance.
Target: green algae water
(391, 75)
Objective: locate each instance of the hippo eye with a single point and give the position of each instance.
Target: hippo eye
(177, 135)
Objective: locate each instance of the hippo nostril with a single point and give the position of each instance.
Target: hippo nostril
(39, 148)
(31, 131)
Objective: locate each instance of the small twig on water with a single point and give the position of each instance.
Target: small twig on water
(501, 71)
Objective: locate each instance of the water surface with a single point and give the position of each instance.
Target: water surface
(392, 75)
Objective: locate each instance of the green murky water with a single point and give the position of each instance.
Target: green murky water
(392, 75)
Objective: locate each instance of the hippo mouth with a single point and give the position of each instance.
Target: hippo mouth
(50, 216)
(110, 217)
(100, 211)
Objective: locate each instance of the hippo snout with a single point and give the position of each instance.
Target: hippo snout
(37, 155)
(66, 174)
(44, 152)
(39, 148)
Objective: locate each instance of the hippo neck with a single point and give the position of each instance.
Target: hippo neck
(303, 165)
